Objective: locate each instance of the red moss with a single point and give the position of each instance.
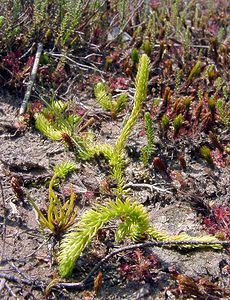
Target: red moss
(139, 266)
(219, 222)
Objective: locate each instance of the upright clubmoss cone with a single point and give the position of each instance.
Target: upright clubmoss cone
(139, 97)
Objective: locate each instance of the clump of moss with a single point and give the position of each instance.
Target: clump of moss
(206, 154)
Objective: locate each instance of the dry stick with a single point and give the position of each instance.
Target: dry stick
(2, 284)
(11, 291)
(36, 250)
(9, 136)
(190, 46)
(4, 222)
(32, 79)
(82, 284)
(28, 51)
(35, 283)
(81, 66)
(151, 187)
(18, 270)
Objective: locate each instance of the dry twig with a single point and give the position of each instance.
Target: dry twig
(79, 65)
(4, 221)
(32, 79)
(151, 187)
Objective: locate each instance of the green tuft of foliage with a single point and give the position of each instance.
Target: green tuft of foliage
(206, 154)
(147, 47)
(195, 71)
(104, 98)
(59, 216)
(141, 84)
(148, 150)
(222, 109)
(165, 123)
(187, 103)
(61, 171)
(1, 21)
(43, 125)
(57, 124)
(177, 123)
(135, 56)
(212, 105)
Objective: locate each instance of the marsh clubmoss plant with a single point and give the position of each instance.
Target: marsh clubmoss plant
(135, 56)
(1, 21)
(218, 83)
(187, 103)
(57, 124)
(167, 95)
(45, 126)
(115, 153)
(53, 120)
(148, 150)
(225, 92)
(195, 71)
(187, 40)
(196, 16)
(153, 28)
(141, 84)
(59, 216)
(134, 224)
(104, 98)
(211, 73)
(116, 161)
(120, 103)
(162, 236)
(165, 123)
(206, 154)
(222, 110)
(177, 123)
(212, 105)
(147, 47)
(62, 126)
